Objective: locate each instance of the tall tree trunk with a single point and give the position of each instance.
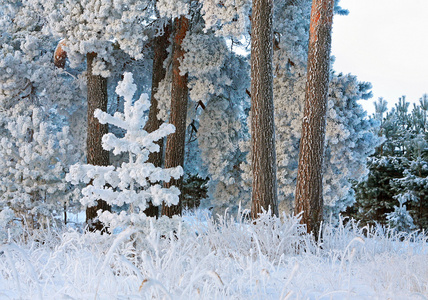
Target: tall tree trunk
(264, 188)
(174, 152)
(96, 155)
(309, 198)
(160, 54)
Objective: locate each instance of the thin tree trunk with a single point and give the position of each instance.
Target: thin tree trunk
(264, 187)
(65, 214)
(309, 198)
(96, 155)
(174, 152)
(160, 54)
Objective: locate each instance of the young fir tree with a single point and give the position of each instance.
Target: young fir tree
(374, 195)
(400, 218)
(414, 180)
(135, 182)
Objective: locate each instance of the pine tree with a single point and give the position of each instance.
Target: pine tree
(34, 156)
(263, 159)
(160, 54)
(123, 35)
(38, 102)
(174, 151)
(309, 199)
(400, 218)
(222, 125)
(95, 154)
(398, 171)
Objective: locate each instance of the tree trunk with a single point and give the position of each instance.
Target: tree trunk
(160, 54)
(264, 187)
(174, 152)
(309, 198)
(96, 155)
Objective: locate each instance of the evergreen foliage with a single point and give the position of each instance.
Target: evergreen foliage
(395, 191)
(42, 100)
(134, 183)
(39, 103)
(34, 158)
(194, 191)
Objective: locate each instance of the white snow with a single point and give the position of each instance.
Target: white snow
(232, 259)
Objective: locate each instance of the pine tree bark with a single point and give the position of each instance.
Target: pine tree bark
(309, 198)
(174, 150)
(264, 186)
(160, 54)
(96, 155)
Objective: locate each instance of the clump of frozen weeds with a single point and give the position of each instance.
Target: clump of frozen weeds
(228, 258)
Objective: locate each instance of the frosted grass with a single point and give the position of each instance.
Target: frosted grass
(231, 258)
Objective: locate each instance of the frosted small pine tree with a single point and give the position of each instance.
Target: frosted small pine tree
(135, 182)
(34, 158)
(400, 218)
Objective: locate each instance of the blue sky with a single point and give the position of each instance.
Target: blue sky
(384, 42)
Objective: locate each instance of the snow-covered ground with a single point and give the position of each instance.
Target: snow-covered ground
(232, 259)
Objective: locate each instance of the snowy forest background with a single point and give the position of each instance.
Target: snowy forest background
(375, 167)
